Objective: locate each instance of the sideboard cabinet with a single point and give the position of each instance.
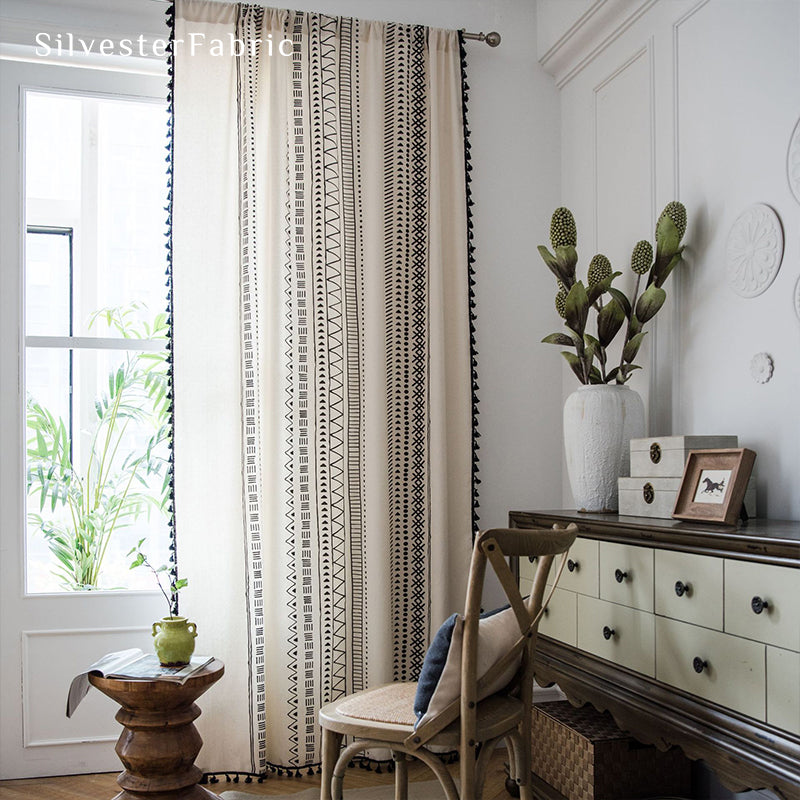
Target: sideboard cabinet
(687, 634)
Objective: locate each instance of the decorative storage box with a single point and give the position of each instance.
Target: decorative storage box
(583, 755)
(665, 457)
(655, 497)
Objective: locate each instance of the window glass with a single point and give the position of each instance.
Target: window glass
(48, 267)
(95, 359)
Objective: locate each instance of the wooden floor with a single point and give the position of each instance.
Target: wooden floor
(104, 787)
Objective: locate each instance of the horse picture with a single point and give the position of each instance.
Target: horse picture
(712, 486)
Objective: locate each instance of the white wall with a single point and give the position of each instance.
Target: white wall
(736, 118)
(696, 101)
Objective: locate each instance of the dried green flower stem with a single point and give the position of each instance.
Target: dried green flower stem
(631, 317)
(575, 300)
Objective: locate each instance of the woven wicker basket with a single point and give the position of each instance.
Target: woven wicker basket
(583, 755)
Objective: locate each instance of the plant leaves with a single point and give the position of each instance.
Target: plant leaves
(547, 257)
(590, 350)
(609, 321)
(632, 346)
(567, 257)
(664, 266)
(101, 499)
(649, 303)
(668, 240)
(564, 274)
(575, 363)
(559, 338)
(601, 288)
(622, 299)
(594, 345)
(577, 308)
(626, 371)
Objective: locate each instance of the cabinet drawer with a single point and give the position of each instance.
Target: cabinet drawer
(783, 689)
(778, 622)
(733, 670)
(619, 634)
(580, 574)
(689, 588)
(626, 575)
(560, 621)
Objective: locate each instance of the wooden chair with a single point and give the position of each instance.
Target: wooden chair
(383, 717)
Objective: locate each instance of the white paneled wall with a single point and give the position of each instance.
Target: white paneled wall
(736, 115)
(692, 100)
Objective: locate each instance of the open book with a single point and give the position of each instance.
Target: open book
(131, 664)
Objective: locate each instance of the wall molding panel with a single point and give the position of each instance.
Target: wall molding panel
(594, 31)
(643, 53)
(41, 696)
(676, 72)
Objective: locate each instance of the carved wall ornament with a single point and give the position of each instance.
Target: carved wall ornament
(793, 162)
(797, 298)
(754, 250)
(761, 367)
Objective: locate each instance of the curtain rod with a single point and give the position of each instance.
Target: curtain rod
(492, 38)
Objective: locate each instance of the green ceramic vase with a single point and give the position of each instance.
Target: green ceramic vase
(173, 638)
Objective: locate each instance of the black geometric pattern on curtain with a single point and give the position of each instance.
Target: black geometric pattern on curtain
(352, 240)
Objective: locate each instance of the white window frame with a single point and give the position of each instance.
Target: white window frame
(104, 77)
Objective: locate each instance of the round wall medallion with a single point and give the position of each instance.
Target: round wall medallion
(754, 250)
(797, 298)
(761, 367)
(793, 162)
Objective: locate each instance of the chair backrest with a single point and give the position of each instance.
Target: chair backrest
(493, 547)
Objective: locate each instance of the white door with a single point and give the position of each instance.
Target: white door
(48, 635)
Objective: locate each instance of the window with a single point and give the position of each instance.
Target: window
(95, 335)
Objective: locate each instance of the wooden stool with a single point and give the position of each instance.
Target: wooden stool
(159, 742)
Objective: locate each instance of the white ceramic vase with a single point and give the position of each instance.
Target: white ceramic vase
(599, 422)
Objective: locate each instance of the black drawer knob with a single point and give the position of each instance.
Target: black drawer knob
(546, 610)
(682, 588)
(619, 575)
(532, 559)
(608, 632)
(573, 566)
(699, 665)
(648, 493)
(758, 604)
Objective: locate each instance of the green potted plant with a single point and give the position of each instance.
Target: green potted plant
(112, 489)
(604, 414)
(173, 635)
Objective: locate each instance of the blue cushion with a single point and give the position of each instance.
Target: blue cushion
(433, 665)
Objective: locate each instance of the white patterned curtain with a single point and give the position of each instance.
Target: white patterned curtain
(323, 393)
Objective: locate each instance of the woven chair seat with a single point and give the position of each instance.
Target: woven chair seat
(390, 706)
(392, 703)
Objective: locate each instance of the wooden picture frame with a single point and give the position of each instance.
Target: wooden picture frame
(713, 485)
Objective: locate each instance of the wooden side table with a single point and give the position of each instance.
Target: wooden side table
(159, 742)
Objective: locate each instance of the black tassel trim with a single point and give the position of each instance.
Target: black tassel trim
(173, 546)
(471, 284)
(282, 771)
